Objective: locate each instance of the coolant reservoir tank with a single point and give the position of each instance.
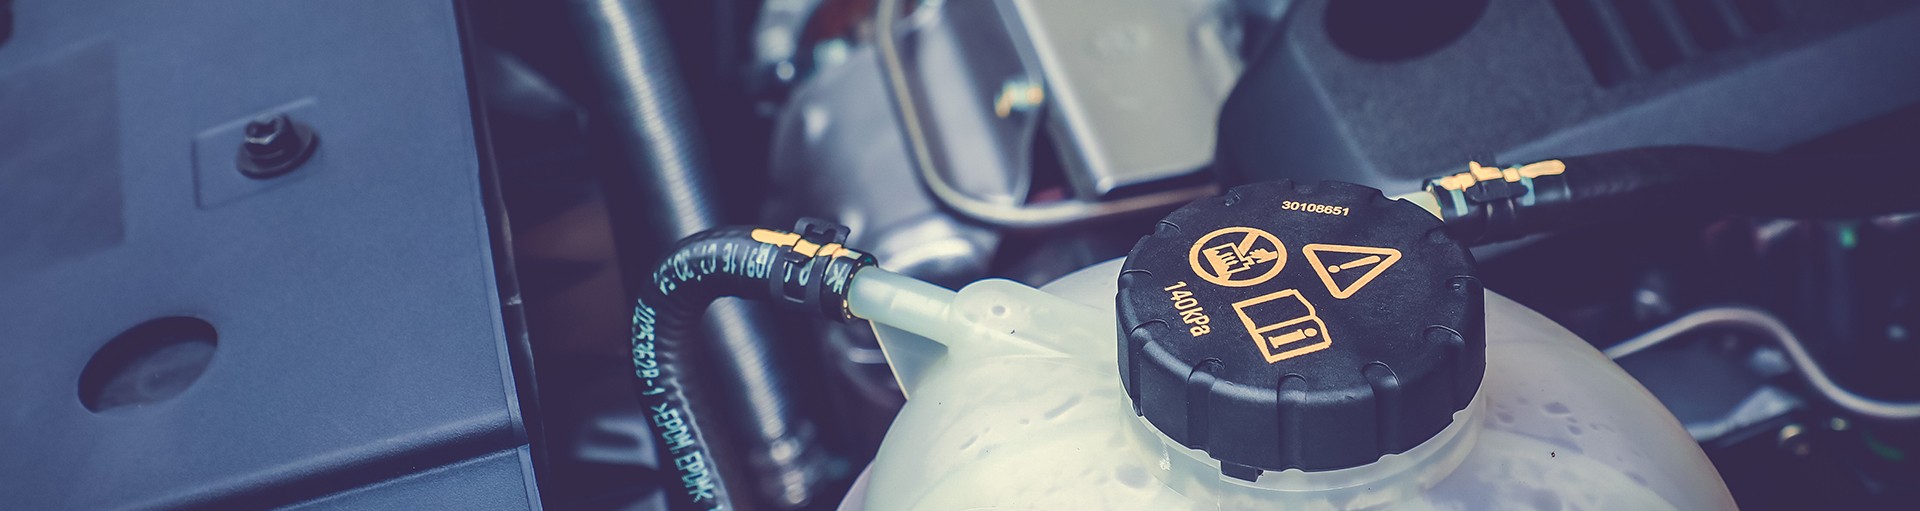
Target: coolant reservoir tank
(1281, 346)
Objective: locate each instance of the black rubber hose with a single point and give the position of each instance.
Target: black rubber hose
(810, 272)
(666, 181)
(1489, 204)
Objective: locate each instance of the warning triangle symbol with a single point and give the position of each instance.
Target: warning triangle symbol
(1354, 265)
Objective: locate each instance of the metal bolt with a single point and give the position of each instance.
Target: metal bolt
(262, 132)
(1794, 439)
(274, 145)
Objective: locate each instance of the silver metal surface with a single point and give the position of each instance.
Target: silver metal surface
(837, 154)
(1134, 87)
(938, 174)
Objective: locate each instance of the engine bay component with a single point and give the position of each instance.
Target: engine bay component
(808, 270)
(1796, 352)
(1394, 349)
(1129, 85)
(506, 282)
(666, 176)
(1102, 166)
(1487, 204)
(1296, 396)
(275, 145)
(1528, 80)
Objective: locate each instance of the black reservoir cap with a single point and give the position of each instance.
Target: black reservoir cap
(1291, 325)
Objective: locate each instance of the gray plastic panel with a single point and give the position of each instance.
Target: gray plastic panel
(496, 481)
(359, 330)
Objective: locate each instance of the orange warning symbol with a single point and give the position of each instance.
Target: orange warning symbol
(1372, 260)
(1283, 325)
(1237, 256)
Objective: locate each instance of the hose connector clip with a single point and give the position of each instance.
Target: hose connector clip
(816, 269)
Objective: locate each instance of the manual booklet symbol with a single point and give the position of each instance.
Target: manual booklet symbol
(1283, 325)
(1354, 265)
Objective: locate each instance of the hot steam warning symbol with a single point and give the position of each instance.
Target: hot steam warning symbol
(1237, 257)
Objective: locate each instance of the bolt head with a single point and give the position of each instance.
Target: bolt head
(1794, 439)
(273, 146)
(267, 130)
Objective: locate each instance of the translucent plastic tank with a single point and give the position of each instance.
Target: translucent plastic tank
(1014, 402)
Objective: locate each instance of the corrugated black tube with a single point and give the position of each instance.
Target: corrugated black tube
(810, 272)
(646, 108)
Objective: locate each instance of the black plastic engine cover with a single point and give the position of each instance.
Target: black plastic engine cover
(1380, 93)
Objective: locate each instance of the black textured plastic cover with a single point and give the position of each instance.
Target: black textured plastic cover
(1291, 325)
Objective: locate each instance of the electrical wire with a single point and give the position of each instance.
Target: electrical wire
(1761, 322)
